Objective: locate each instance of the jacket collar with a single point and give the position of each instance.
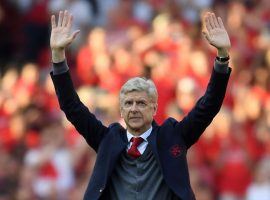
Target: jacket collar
(151, 137)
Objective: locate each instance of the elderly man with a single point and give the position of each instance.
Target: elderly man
(144, 161)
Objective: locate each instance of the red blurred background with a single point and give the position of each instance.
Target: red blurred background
(41, 154)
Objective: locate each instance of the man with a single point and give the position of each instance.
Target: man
(144, 161)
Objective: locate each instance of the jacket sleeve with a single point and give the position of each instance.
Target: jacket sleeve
(206, 108)
(76, 112)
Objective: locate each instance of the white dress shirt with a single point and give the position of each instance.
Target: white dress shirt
(144, 144)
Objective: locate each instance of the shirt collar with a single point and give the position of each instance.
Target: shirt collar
(143, 136)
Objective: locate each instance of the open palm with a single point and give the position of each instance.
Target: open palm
(61, 35)
(216, 33)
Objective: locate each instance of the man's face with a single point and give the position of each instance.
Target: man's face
(138, 111)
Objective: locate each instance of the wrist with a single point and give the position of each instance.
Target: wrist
(222, 60)
(222, 53)
(58, 55)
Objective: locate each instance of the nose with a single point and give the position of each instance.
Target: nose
(134, 107)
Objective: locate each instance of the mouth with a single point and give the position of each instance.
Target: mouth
(131, 118)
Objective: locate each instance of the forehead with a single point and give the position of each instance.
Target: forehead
(136, 95)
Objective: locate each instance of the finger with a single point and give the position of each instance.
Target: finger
(65, 19)
(211, 20)
(69, 21)
(215, 20)
(73, 35)
(53, 21)
(60, 18)
(207, 19)
(207, 24)
(220, 23)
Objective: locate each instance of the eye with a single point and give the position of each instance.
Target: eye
(141, 103)
(128, 103)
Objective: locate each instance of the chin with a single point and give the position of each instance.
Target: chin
(135, 127)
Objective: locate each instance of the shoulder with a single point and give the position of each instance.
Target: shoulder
(169, 122)
(116, 132)
(115, 125)
(168, 125)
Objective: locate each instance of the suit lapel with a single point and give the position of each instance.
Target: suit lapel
(120, 143)
(152, 140)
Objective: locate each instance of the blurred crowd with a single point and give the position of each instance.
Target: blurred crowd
(41, 154)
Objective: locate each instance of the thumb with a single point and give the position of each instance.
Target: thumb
(73, 35)
(207, 37)
(205, 34)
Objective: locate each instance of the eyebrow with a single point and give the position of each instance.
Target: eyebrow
(145, 100)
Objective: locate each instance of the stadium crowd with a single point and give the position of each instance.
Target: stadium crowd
(41, 154)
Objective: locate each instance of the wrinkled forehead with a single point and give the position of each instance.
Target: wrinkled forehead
(135, 96)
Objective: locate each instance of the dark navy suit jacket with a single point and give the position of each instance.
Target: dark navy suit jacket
(169, 141)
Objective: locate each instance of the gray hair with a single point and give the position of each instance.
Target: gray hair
(139, 84)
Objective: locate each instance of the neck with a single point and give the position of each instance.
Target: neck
(138, 132)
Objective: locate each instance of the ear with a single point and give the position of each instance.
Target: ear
(121, 112)
(155, 106)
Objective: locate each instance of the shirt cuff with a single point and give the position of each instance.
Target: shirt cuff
(221, 67)
(60, 68)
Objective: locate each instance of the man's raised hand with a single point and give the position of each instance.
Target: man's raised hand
(61, 35)
(216, 33)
